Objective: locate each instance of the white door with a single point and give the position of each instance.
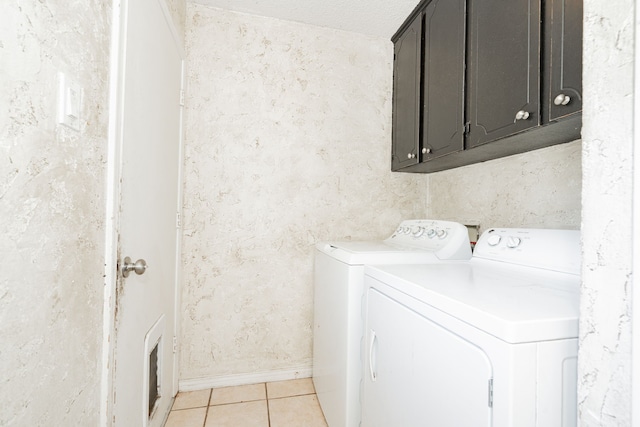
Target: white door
(150, 85)
(418, 374)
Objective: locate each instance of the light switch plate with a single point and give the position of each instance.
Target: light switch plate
(69, 102)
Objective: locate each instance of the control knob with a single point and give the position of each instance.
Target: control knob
(418, 232)
(513, 242)
(430, 233)
(494, 240)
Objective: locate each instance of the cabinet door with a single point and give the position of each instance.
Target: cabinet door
(406, 96)
(443, 97)
(504, 68)
(564, 38)
(417, 373)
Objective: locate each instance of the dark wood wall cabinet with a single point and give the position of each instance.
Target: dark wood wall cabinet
(475, 80)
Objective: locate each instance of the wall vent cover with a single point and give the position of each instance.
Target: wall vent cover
(154, 383)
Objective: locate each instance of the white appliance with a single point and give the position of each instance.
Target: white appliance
(488, 342)
(339, 291)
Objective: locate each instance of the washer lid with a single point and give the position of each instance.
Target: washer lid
(514, 303)
(375, 252)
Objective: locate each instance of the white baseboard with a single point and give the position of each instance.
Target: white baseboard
(243, 379)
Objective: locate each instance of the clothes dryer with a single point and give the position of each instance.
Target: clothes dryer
(489, 342)
(338, 295)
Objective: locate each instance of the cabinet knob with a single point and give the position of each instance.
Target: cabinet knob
(411, 156)
(522, 115)
(426, 150)
(562, 99)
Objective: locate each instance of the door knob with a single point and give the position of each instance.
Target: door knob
(139, 267)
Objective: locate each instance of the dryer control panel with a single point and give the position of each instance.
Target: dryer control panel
(557, 250)
(447, 239)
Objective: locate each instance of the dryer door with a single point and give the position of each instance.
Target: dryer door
(416, 373)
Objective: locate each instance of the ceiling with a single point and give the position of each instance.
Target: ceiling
(380, 18)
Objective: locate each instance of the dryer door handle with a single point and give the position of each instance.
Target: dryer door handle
(373, 349)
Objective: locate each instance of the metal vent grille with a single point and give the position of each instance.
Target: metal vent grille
(154, 390)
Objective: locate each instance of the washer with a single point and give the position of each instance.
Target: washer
(339, 291)
(488, 342)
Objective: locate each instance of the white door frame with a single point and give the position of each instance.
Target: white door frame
(635, 234)
(112, 203)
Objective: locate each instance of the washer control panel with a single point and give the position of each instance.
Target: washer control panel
(449, 239)
(557, 250)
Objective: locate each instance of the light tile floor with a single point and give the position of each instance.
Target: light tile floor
(277, 404)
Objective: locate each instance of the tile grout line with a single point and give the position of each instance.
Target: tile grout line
(293, 395)
(206, 409)
(266, 394)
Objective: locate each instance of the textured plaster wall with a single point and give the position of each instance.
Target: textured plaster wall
(178, 10)
(51, 212)
(539, 189)
(605, 328)
(288, 143)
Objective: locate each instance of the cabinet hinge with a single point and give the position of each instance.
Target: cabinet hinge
(175, 344)
(467, 128)
(491, 393)
(178, 220)
(182, 97)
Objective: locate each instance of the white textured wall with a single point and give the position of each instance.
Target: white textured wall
(288, 143)
(605, 331)
(51, 213)
(178, 10)
(538, 189)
